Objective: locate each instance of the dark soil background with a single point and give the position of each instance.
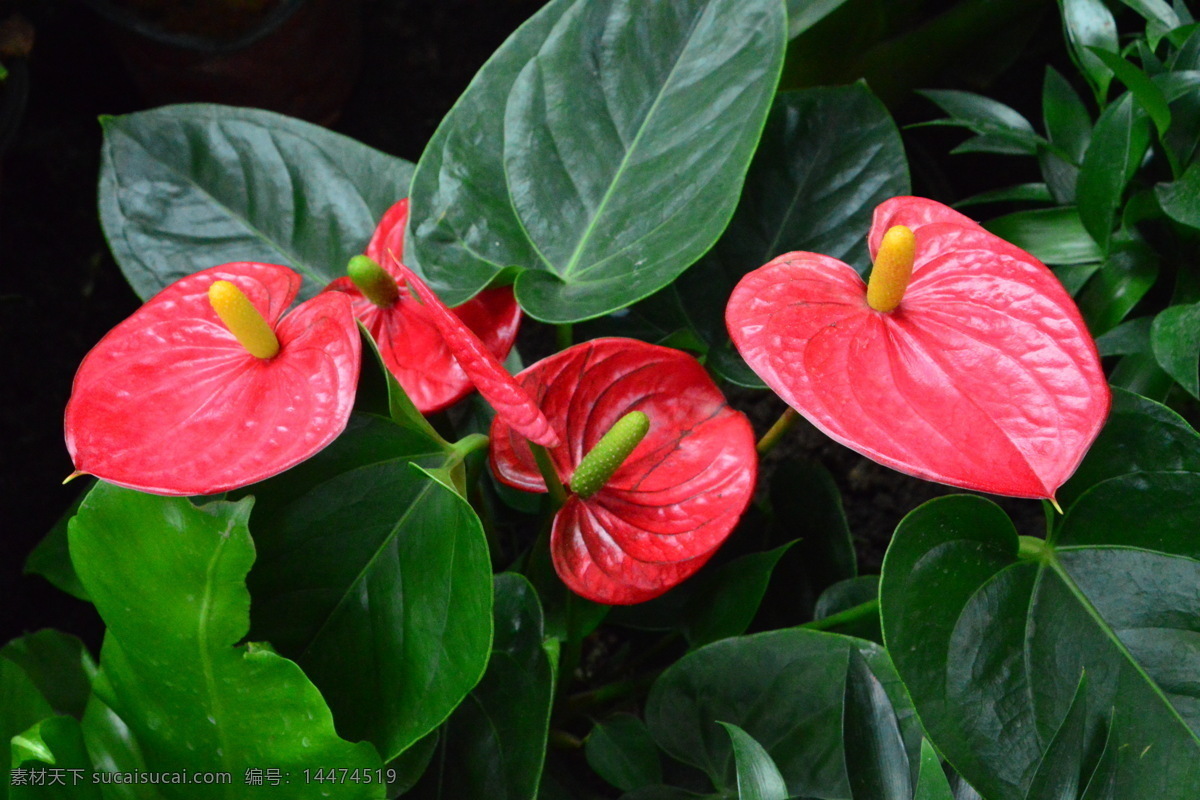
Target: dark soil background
(62, 291)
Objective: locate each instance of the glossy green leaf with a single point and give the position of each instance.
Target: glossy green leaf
(1139, 436)
(1119, 141)
(58, 664)
(1155, 11)
(1175, 338)
(167, 577)
(850, 607)
(112, 746)
(1052, 235)
(992, 644)
(1140, 373)
(56, 748)
(1074, 277)
(1181, 199)
(621, 751)
(1131, 336)
(932, 783)
(982, 114)
(1144, 90)
(1116, 288)
(1006, 143)
(786, 689)
(375, 576)
(1068, 123)
(876, 761)
(757, 776)
(21, 706)
(1064, 771)
(51, 558)
(409, 766)
(494, 743)
(1021, 193)
(1089, 23)
(187, 187)
(616, 162)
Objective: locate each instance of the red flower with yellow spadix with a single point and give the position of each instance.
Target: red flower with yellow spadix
(963, 361)
(410, 344)
(659, 467)
(205, 388)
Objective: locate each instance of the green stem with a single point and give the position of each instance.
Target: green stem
(618, 690)
(852, 614)
(554, 484)
(564, 335)
(782, 425)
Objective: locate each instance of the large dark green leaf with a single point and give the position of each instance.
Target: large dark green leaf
(187, 187)
(494, 743)
(600, 151)
(1119, 141)
(784, 688)
(374, 575)
(1175, 338)
(621, 751)
(876, 761)
(828, 156)
(168, 579)
(757, 776)
(1181, 199)
(993, 637)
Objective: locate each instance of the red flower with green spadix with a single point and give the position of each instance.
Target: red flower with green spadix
(411, 346)
(963, 361)
(659, 467)
(487, 374)
(206, 389)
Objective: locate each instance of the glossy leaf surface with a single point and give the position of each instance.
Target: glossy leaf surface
(494, 743)
(985, 376)
(58, 664)
(757, 776)
(1175, 338)
(55, 748)
(511, 402)
(374, 576)
(170, 402)
(671, 503)
(617, 160)
(167, 577)
(621, 751)
(185, 187)
(993, 645)
(786, 689)
(409, 342)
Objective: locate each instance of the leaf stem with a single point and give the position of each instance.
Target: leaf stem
(554, 484)
(564, 335)
(852, 614)
(782, 425)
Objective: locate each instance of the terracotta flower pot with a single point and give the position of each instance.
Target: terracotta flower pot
(297, 57)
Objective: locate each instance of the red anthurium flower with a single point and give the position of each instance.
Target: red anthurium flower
(409, 342)
(979, 373)
(670, 503)
(172, 402)
(487, 374)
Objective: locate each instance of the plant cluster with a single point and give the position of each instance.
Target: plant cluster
(359, 549)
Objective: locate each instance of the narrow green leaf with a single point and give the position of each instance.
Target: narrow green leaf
(1119, 141)
(1004, 144)
(1052, 235)
(803, 14)
(1074, 277)
(618, 158)
(1175, 339)
(982, 114)
(1131, 336)
(1155, 11)
(932, 783)
(494, 743)
(1021, 193)
(1067, 765)
(187, 187)
(168, 579)
(876, 761)
(1089, 23)
(1068, 123)
(58, 664)
(112, 746)
(757, 776)
(1144, 90)
(1117, 287)
(621, 751)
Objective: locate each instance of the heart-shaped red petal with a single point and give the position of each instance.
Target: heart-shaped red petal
(672, 502)
(169, 402)
(411, 344)
(487, 374)
(985, 377)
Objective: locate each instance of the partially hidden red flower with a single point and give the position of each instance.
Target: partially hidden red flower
(411, 346)
(983, 376)
(171, 402)
(511, 402)
(673, 501)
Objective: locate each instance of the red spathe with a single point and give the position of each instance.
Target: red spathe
(984, 377)
(170, 402)
(674, 500)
